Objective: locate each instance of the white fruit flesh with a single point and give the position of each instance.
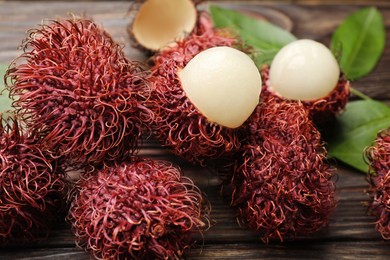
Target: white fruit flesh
(224, 84)
(161, 22)
(304, 70)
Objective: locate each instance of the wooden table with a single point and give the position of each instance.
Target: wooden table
(351, 233)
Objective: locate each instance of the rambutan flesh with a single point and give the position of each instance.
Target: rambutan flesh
(283, 186)
(378, 157)
(32, 189)
(179, 123)
(77, 91)
(306, 70)
(139, 209)
(321, 110)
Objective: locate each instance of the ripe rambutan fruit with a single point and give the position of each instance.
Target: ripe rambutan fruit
(32, 189)
(306, 70)
(76, 90)
(378, 158)
(283, 185)
(137, 209)
(203, 90)
(158, 24)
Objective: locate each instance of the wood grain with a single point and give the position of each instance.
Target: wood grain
(351, 233)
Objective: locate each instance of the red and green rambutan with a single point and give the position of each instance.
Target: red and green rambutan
(307, 71)
(378, 158)
(137, 209)
(283, 184)
(76, 90)
(32, 188)
(196, 130)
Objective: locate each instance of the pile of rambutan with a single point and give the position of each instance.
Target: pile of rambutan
(378, 158)
(85, 104)
(88, 107)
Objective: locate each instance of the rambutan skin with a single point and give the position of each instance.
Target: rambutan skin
(378, 158)
(283, 185)
(77, 91)
(32, 189)
(203, 24)
(321, 110)
(137, 209)
(178, 124)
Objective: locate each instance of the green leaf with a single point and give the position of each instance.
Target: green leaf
(360, 41)
(356, 129)
(5, 101)
(266, 38)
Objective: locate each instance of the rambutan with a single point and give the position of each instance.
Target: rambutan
(32, 189)
(378, 158)
(203, 90)
(137, 209)
(283, 186)
(76, 90)
(307, 71)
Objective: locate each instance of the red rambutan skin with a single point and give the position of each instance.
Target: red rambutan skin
(203, 24)
(178, 124)
(283, 186)
(378, 158)
(77, 91)
(139, 209)
(32, 189)
(321, 110)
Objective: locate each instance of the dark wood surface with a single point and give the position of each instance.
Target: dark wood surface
(351, 233)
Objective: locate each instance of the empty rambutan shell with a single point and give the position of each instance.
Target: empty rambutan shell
(202, 92)
(32, 189)
(137, 209)
(307, 71)
(283, 186)
(77, 91)
(378, 158)
(158, 24)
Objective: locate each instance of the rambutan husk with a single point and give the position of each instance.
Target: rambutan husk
(378, 158)
(76, 90)
(203, 23)
(321, 110)
(32, 188)
(283, 186)
(137, 209)
(178, 124)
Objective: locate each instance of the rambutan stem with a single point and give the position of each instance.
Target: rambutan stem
(359, 94)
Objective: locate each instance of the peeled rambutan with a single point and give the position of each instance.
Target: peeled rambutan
(378, 158)
(32, 189)
(283, 186)
(76, 90)
(202, 91)
(307, 71)
(138, 209)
